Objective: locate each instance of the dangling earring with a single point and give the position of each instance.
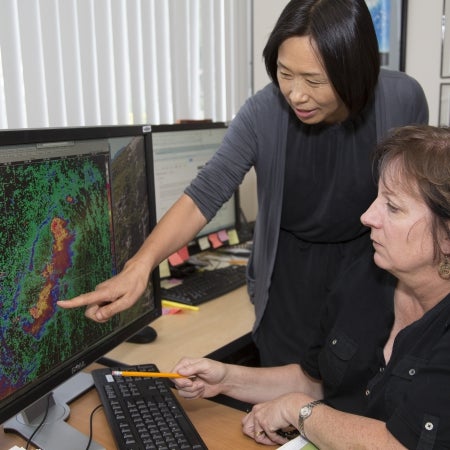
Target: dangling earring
(444, 268)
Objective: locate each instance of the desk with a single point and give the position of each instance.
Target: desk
(189, 333)
(192, 333)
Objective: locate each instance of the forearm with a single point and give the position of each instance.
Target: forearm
(330, 429)
(259, 384)
(176, 228)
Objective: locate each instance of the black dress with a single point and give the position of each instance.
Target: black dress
(329, 183)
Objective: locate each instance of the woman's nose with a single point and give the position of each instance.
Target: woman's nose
(370, 217)
(298, 93)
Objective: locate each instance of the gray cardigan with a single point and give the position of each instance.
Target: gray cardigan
(257, 138)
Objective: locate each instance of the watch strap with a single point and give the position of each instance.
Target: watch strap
(305, 412)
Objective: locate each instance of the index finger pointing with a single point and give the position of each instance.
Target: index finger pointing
(94, 297)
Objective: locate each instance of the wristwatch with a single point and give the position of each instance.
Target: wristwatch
(305, 412)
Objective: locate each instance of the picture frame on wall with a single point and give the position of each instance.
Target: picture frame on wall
(444, 109)
(445, 56)
(389, 18)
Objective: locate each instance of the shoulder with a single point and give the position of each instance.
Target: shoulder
(269, 90)
(392, 81)
(264, 115)
(268, 98)
(400, 100)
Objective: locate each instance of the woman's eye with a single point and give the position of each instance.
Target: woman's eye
(391, 207)
(316, 82)
(285, 75)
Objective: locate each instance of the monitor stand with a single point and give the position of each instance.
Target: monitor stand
(55, 433)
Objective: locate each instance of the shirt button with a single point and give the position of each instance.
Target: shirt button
(412, 372)
(334, 342)
(429, 426)
(367, 392)
(381, 369)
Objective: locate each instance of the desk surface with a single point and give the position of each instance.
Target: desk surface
(189, 333)
(192, 333)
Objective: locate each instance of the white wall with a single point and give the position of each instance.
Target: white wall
(423, 49)
(423, 56)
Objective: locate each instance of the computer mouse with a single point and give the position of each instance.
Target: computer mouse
(144, 336)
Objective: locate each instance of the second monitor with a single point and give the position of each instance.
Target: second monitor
(179, 153)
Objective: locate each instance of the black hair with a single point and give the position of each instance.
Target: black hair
(345, 37)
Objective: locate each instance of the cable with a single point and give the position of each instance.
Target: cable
(47, 408)
(91, 418)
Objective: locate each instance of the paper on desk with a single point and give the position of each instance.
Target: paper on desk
(298, 444)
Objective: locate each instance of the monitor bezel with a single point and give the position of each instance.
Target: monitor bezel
(24, 397)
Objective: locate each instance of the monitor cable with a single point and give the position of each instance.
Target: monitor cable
(47, 408)
(91, 427)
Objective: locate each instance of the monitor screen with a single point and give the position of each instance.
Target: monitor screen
(179, 153)
(76, 203)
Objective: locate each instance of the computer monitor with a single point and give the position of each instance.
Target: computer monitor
(75, 204)
(179, 153)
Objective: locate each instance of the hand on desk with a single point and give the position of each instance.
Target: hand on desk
(213, 378)
(112, 296)
(265, 420)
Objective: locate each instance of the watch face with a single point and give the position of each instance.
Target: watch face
(305, 411)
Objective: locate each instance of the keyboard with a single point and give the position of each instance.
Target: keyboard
(201, 286)
(143, 413)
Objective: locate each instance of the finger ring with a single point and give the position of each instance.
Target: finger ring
(260, 433)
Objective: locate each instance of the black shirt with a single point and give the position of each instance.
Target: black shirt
(328, 185)
(412, 392)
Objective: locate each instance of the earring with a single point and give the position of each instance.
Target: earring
(444, 268)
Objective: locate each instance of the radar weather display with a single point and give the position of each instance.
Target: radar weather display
(55, 240)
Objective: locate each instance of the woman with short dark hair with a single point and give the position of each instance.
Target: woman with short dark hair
(345, 40)
(309, 135)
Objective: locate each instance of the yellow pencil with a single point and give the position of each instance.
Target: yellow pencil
(171, 304)
(125, 373)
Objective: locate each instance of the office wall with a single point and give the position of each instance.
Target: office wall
(423, 53)
(423, 49)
